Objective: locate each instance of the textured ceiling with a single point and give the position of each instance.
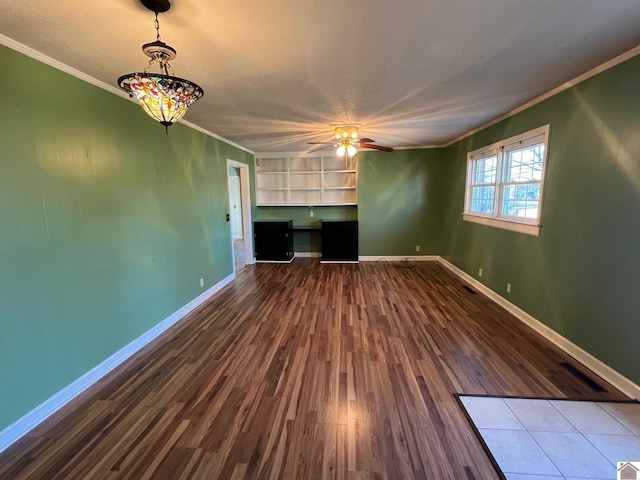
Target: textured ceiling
(277, 74)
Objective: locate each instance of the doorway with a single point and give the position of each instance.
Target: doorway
(235, 205)
(240, 214)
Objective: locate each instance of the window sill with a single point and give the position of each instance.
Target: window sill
(525, 228)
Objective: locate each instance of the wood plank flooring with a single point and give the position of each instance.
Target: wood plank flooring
(307, 370)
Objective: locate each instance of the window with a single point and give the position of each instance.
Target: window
(505, 180)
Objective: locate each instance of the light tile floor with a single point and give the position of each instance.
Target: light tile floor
(535, 439)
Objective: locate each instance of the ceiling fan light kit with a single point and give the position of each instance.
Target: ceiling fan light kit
(347, 141)
(346, 131)
(346, 148)
(163, 96)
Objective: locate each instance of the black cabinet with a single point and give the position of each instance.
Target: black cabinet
(273, 240)
(340, 241)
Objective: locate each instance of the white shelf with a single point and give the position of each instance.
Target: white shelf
(312, 180)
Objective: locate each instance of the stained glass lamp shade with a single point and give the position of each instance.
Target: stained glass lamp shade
(163, 96)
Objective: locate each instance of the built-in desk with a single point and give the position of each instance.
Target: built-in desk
(307, 229)
(274, 240)
(307, 240)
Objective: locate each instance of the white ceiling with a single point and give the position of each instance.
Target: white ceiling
(277, 74)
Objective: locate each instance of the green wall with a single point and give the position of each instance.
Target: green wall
(581, 276)
(107, 225)
(400, 197)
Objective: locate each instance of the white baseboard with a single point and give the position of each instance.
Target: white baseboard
(308, 254)
(616, 379)
(22, 426)
(396, 258)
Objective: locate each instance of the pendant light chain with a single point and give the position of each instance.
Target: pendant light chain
(157, 23)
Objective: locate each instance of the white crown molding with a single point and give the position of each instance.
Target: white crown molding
(420, 147)
(616, 379)
(32, 419)
(565, 86)
(317, 154)
(214, 135)
(30, 52)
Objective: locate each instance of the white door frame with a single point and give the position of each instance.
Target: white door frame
(245, 202)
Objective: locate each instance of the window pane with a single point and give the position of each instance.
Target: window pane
(525, 164)
(486, 170)
(482, 199)
(521, 201)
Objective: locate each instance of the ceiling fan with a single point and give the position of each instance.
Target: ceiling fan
(347, 141)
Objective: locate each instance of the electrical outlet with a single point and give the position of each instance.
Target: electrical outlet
(508, 287)
(311, 213)
(480, 272)
(202, 282)
(417, 248)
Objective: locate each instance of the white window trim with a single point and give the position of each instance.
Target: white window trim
(511, 225)
(531, 137)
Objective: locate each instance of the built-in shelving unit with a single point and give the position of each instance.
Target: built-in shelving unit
(296, 180)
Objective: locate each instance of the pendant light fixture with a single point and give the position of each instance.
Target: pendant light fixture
(163, 96)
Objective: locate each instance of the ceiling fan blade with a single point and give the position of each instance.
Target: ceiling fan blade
(319, 149)
(366, 140)
(376, 147)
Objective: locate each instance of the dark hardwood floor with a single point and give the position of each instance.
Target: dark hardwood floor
(307, 370)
